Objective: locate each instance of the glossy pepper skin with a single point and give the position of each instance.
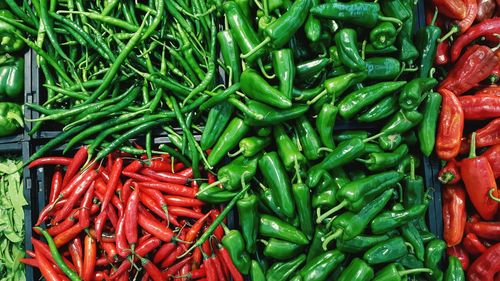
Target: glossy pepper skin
(479, 181)
(383, 35)
(325, 123)
(493, 156)
(461, 254)
(480, 107)
(249, 220)
(454, 9)
(214, 194)
(427, 128)
(411, 234)
(267, 115)
(11, 118)
(276, 178)
(360, 243)
(315, 248)
(357, 270)
(257, 88)
(256, 272)
(433, 254)
(489, 135)
(302, 198)
(454, 214)
(10, 43)
(381, 110)
(275, 228)
(309, 138)
(411, 94)
(364, 14)
(234, 243)
(336, 86)
(427, 44)
(284, 68)
(229, 139)
(454, 272)
(251, 146)
(230, 54)
(387, 251)
(280, 249)
(382, 68)
(308, 69)
(407, 50)
(396, 272)
(287, 150)
(284, 270)
(414, 193)
(346, 41)
(396, 9)
(11, 78)
(218, 118)
(486, 266)
(450, 126)
(321, 266)
(390, 220)
(240, 168)
(379, 161)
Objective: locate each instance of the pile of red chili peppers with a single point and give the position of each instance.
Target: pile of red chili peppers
(102, 220)
(469, 133)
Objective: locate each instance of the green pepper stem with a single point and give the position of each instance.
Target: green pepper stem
(247, 111)
(409, 245)
(434, 17)
(257, 48)
(330, 238)
(212, 185)
(263, 70)
(236, 153)
(415, 270)
(331, 211)
(297, 170)
(412, 168)
(472, 152)
(390, 19)
(373, 137)
(364, 161)
(452, 31)
(316, 98)
(207, 12)
(492, 196)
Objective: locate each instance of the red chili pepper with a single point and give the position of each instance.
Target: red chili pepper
(48, 210)
(31, 262)
(487, 27)
(145, 277)
(206, 247)
(486, 266)
(155, 227)
(450, 127)
(100, 276)
(442, 53)
(454, 214)
(196, 258)
(121, 240)
(492, 90)
(479, 181)
(184, 212)
(493, 156)
(170, 188)
(102, 261)
(473, 246)
(163, 252)
(188, 172)
(101, 188)
(141, 251)
(461, 26)
(89, 257)
(126, 190)
(131, 229)
(73, 185)
(480, 107)
(138, 177)
(75, 165)
(76, 253)
(450, 173)
(56, 186)
(114, 177)
(105, 237)
(454, 9)
(85, 206)
(158, 197)
(45, 266)
(68, 235)
(196, 228)
(218, 267)
(211, 178)
(111, 252)
(110, 210)
(159, 165)
(183, 272)
(165, 176)
(170, 272)
(152, 270)
(475, 65)
(63, 161)
(63, 226)
(99, 223)
(43, 249)
(489, 135)
(209, 268)
(219, 231)
(197, 273)
(459, 252)
(486, 230)
(180, 201)
(181, 248)
(226, 259)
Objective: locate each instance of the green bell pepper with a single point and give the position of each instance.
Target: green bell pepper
(11, 118)
(357, 270)
(11, 78)
(9, 42)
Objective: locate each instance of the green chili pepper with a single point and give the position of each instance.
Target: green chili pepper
(404, 166)
(383, 35)
(427, 236)
(364, 14)
(389, 220)
(229, 139)
(312, 27)
(241, 168)
(427, 40)
(382, 68)
(307, 70)
(434, 252)
(396, 9)
(325, 123)
(11, 118)
(347, 135)
(370, 50)
(395, 272)
(11, 78)
(360, 99)
(284, 68)
(275, 228)
(411, 94)
(321, 266)
(379, 161)
(407, 50)
(427, 128)
(414, 193)
(249, 220)
(287, 150)
(255, 87)
(213, 194)
(410, 234)
(10, 42)
(306, 94)
(283, 270)
(360, 243)
(259, 114)
(346, 42)
(235, 245)
(315, 248)
(381, 110)
(250, 146)
(336, 86)
(400, 123)
(308, 138)
(256, 272)
(267, 200)
(230, 54)
(280, 249)
(410, 261)
(454, 272)
(357, 270)
(387, 251)
(302, 198)
(276, 177)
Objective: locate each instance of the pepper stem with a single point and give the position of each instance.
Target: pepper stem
(331, 211)
(472, 152)
(492, 196)
(297, 170)
(374, 137)
(452, 31)
(434, 17)
(390, 19)
(236, 153)
(212, 185)
(412, 168)
(415, 270)
(258, 47)
(263, 70)
(330, 238)
(327, 149)
(364, 161)
(316, 98)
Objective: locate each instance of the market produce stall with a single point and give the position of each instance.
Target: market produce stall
(255, 140)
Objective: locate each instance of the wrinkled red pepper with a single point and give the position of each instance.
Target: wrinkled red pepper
(486, 9)
(480, 107)
(442, 53)
(454, 9)
(459, 252)
(472, 245)
(486, 266)
(450, 173)
(454, 214)
(461, 26)
(485, 28)
(493, 156)
(489, 135)
(485, 230)
(493, 90)
(450, 127)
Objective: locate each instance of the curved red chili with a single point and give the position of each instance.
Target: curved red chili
(121, 240)
(170, 188)
(164, 176)
(131, 230)
(172, 270)
(68, 235)
(89, 258)
(56, 186)
(163, 252)
(63, 161)
(114, 177)
(85, 206)
(487, 27)
(110, 249)
(226, 259)
(75, 251)
(196, 228)
(75, 165)
(45, 266)
(155, 227)
(152, 270)
(180, 201)
(63, 226)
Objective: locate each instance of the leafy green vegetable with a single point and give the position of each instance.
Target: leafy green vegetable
(11, 220)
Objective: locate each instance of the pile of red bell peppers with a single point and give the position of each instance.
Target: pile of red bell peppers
(468, 139)
(100, 225)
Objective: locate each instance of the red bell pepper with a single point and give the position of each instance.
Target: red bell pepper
(475, 65)
(493, 156)
(489, 135)
(454, 214)
(454, 9)
(461, 26)
(486, 266)
(459, 252)
(485, 230)
(450, 127)
(450, 173)
(480, 107)
(487, 27)
(479, 181)
(472, 245)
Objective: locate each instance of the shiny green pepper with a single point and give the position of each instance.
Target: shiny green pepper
(11, 78)
(11, 118)
(9, 42)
